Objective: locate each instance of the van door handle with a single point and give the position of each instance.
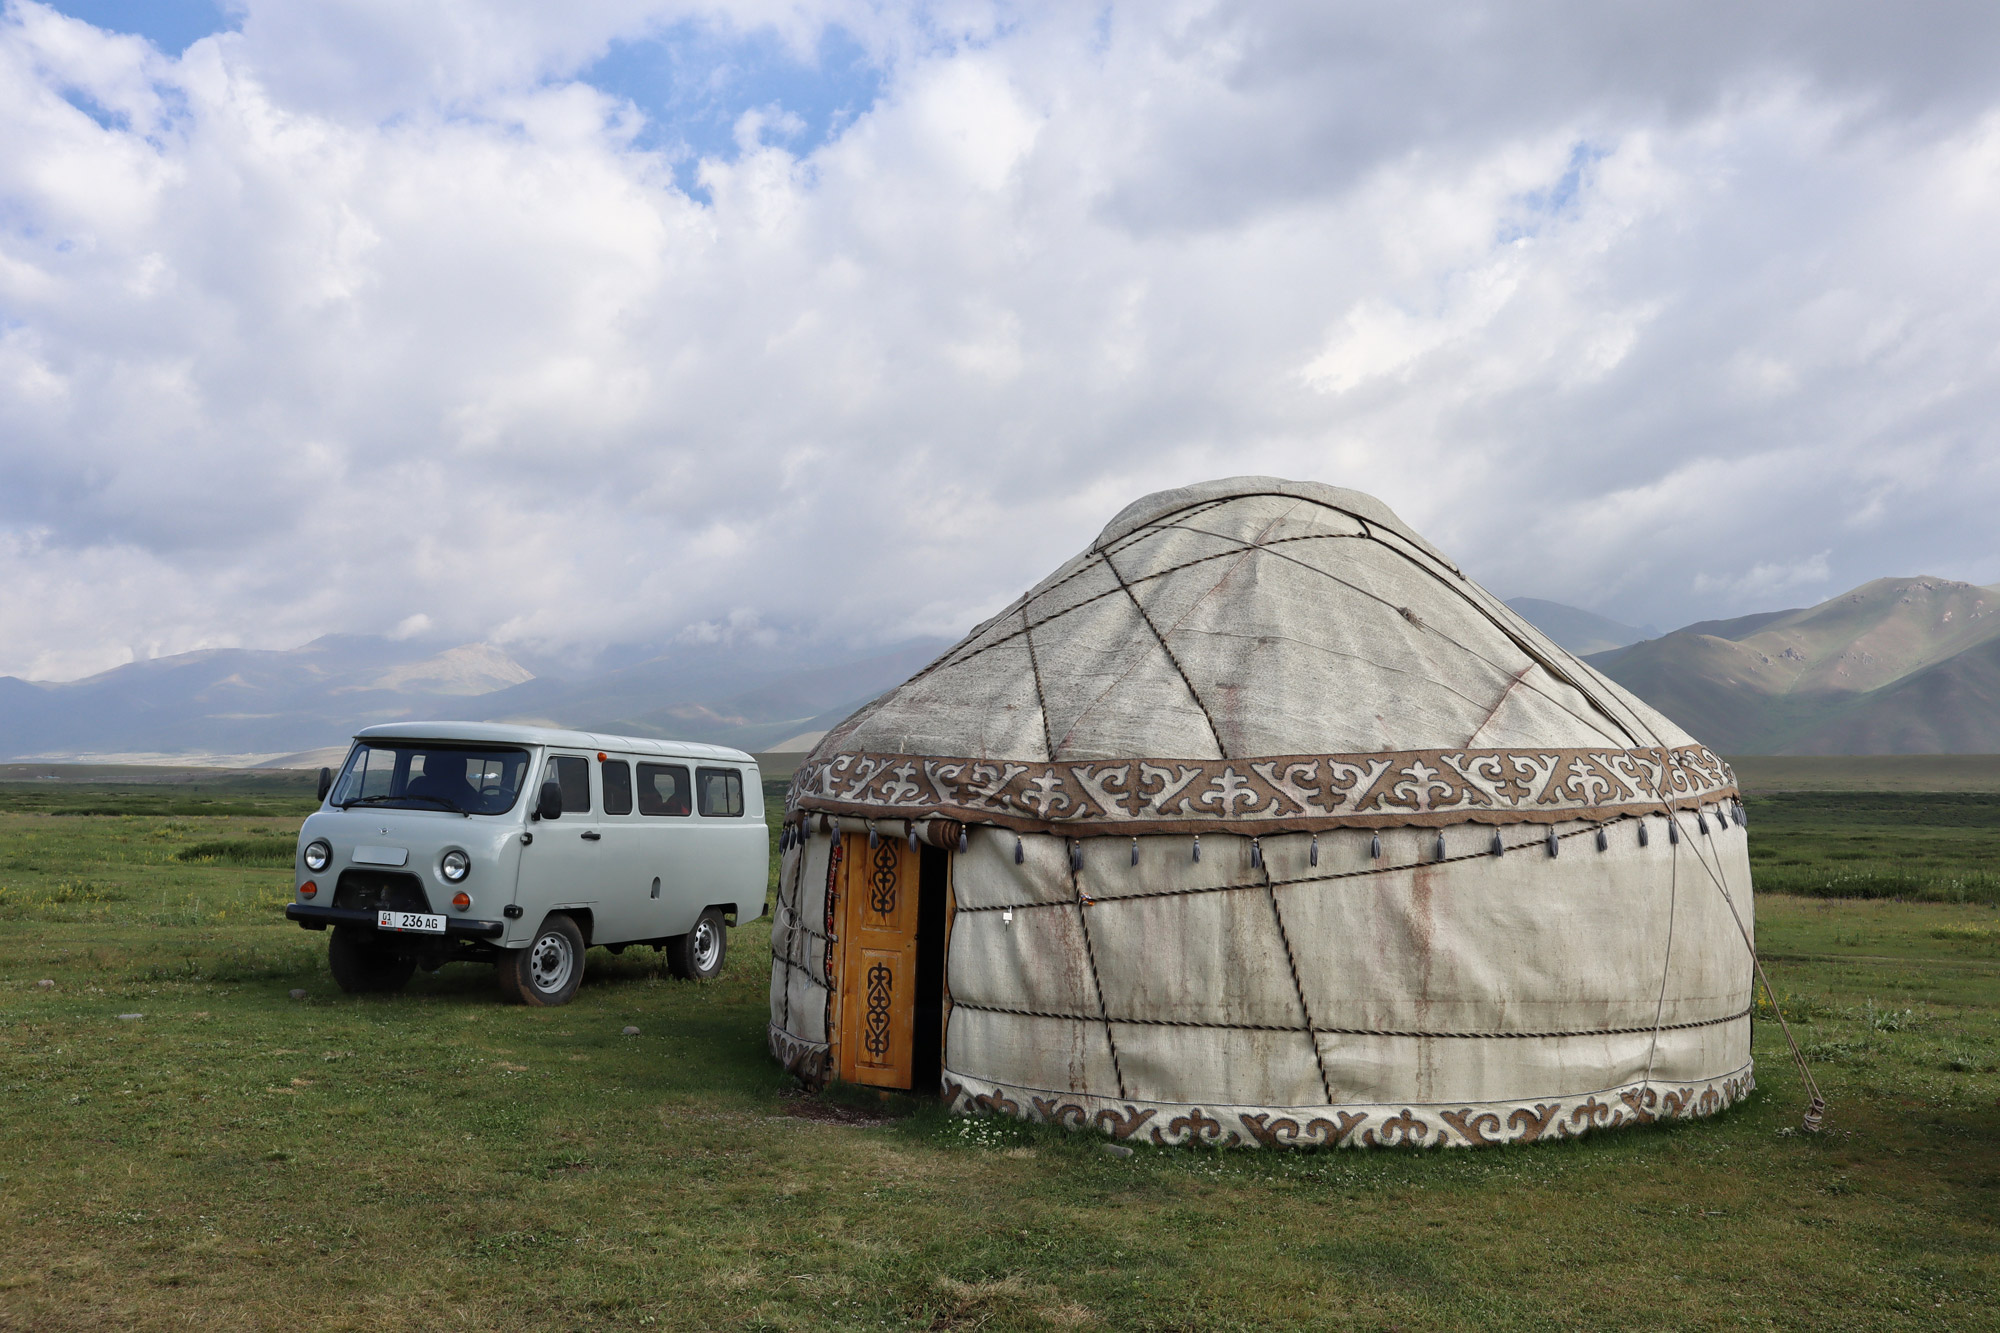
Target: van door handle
(591, 835)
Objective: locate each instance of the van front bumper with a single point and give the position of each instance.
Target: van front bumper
(319, 918)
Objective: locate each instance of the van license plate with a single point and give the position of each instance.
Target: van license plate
(423, 922)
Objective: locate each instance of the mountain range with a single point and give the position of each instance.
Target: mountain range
(1896, 666)
(248, 706)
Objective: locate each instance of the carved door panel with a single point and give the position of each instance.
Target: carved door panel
(878, 952)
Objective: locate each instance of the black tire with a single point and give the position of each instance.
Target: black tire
(363, 963)
(699, 954)
(549, 970)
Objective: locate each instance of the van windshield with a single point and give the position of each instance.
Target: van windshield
(427, 775)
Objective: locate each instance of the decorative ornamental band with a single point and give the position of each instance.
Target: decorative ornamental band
(1450, 1125)
(1284, 793)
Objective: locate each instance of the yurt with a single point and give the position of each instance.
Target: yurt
(1258, 822)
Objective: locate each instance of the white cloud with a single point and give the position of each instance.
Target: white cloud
(1762, 583)
(371, 316)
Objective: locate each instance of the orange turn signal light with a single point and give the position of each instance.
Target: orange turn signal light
(461, 901)
(308, 890)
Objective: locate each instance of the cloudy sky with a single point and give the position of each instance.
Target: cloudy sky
(621, 320)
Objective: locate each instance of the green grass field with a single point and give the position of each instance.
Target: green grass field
(1763, 773)
(236, 1158)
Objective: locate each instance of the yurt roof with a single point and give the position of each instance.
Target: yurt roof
(1254, 653)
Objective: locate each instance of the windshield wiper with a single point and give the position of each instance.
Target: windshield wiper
(408, 796)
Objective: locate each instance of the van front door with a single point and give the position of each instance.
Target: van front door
(877, 924)
(565, 865)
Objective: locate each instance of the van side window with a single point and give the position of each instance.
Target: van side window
(571, 772)
(616, 775)
(663, 789)
(721, 791)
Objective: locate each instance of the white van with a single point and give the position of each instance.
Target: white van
(523, 846)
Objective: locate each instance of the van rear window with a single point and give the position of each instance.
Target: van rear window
(664, 790)
(616, 775)
(721, 791)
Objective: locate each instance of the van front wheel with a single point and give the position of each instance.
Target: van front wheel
(549, 970)
(698, 955)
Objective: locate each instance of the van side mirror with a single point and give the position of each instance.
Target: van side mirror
(549, 804)
(325, 782)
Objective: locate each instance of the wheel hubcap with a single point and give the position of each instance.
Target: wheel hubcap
(707, 947)
(550, 962)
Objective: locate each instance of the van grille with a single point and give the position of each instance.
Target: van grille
(380, 890)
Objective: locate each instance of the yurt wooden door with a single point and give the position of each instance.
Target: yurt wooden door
(878, 960)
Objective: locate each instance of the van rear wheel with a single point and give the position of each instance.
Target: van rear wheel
(549, 970)
(362, 963)
(699, 954)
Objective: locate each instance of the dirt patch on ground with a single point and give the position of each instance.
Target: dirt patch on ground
(804, 1105)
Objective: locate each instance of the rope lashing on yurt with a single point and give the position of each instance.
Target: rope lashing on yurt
(1315, 1030)
(1298, 987)
(1196, 889)
(1041, 696)
(1371, 532)
(1220, 747)
(1815, 1112)
(1817, 1101)
(1079, 899)
(794, 921)
(1075, 855)
(1382, 537)
(1137, 581)
(1666, 956)
(1023, 602)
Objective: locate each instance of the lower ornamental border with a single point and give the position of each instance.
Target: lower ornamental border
(1473, 1125)
(805, 1060)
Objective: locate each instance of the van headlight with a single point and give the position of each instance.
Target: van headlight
(318, 855)
(456, 866)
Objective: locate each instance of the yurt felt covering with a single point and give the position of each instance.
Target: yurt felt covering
(1267, 825)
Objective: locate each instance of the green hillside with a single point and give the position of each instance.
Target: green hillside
(1896, 666)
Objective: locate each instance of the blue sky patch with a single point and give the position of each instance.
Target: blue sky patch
(694, 82)
(1537, 207)
(171, 25)
(104, 116)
